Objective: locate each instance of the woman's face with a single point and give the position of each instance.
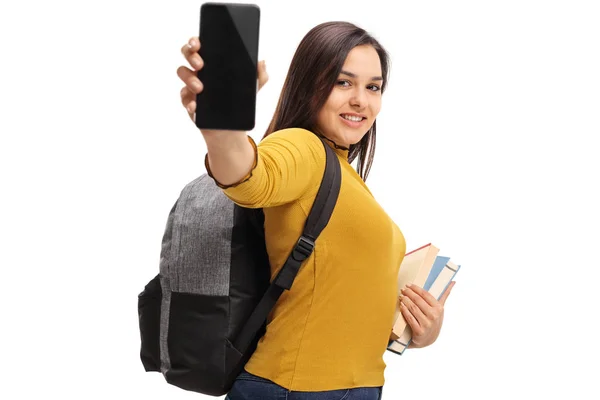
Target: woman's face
(355, 100)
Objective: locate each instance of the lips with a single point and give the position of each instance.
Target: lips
(354, 115)
(353, 124)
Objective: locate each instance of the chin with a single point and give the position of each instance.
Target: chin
(354, 139)
(347, 139)
(357, 140)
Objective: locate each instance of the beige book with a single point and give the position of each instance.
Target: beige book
(414, 269)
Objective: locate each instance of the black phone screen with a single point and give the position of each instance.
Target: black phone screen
(229, 49)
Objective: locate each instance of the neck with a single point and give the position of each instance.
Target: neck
(333, 143)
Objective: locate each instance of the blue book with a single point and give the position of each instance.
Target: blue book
(438, 265)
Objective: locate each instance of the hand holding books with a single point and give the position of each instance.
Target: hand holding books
(421, 306)
(423, 313)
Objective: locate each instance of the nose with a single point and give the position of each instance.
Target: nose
(358, 98)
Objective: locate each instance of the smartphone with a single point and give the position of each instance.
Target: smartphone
(229, 48)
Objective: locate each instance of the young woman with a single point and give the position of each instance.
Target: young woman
(326, 337)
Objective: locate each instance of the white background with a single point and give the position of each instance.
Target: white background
(487, 147)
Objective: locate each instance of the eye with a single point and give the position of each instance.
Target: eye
(343, 82)
(374, 88)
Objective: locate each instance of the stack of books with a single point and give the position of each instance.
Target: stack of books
(425, 268)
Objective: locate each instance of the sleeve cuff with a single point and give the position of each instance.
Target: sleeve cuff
(245, 178)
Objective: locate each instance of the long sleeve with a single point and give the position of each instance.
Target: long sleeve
(289, 165)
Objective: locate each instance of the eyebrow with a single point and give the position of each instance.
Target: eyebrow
(351, 75)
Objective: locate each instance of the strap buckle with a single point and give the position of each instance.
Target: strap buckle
(303, 249)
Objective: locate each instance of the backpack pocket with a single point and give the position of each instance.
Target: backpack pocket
(196, 340)
(149, 302)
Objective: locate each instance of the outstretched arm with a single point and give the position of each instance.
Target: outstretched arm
(230, 155)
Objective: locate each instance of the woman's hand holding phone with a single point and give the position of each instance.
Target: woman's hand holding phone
(189, 76)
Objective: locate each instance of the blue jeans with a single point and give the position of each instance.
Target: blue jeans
(252, 387)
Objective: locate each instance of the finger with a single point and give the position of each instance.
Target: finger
(190, 52)
(188, 99)
(410, 318)
(426, 308)
(424, 294)
(446, 293)
(190, 79)
(414, 310)
(263, 76)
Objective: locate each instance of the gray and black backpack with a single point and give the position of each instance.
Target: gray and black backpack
(201, 317)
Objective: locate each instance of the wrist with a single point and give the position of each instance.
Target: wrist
(224, 140)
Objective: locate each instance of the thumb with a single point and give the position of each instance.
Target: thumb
(263, 76)
(446, 293)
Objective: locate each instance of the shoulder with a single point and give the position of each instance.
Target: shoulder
(301, 139)
(296, 153)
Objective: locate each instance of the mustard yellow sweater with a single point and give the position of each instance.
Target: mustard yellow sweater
(330, 331)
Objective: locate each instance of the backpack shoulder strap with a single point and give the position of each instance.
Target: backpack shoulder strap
(318, 218)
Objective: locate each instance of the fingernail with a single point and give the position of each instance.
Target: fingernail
(408, 285)
(190, 44)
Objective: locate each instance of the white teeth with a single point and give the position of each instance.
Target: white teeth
(352, 118)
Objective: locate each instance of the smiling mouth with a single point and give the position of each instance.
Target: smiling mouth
(352, 118)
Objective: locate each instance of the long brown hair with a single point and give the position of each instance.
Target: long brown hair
(313, 73)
